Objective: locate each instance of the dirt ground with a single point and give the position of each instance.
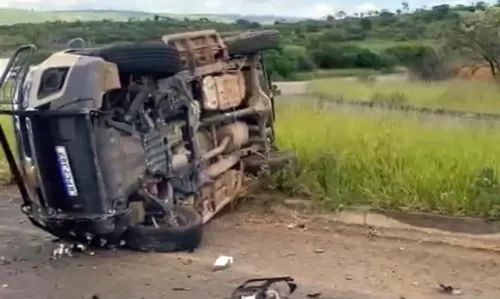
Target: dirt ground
(338, 261)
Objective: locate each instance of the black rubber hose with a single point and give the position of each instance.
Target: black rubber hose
(136, 105)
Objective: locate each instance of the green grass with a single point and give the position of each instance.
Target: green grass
(6, 123)
(456, 95)
(390, 160)
(9, 16)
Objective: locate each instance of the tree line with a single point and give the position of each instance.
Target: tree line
(419, 39)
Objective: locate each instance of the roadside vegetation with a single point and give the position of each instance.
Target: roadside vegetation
(5, 175)
(469, 96)
(377, 41)
(390, 160)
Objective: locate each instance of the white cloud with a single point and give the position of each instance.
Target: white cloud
(321, 9)
(301, 8)
(366, 7)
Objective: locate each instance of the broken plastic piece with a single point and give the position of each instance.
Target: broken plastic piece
(447, 289)
(223, 262)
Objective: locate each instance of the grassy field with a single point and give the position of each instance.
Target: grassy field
(456, 95)
(10, 16)
(384, 159)
(6, 123)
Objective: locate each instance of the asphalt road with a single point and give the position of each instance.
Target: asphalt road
(338, 261)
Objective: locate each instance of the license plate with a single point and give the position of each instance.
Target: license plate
(66, 172)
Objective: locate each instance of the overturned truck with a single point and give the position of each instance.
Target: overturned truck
(140, 144)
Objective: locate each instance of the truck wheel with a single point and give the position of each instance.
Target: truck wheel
(276, 160)
(154, 59)
(252, 41)
(164, 238)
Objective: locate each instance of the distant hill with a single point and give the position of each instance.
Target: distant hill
(10, 16)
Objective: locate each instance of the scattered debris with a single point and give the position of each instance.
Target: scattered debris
(449, 290)
(318, 250)
(296, 225)
(372, 234)
(4, 261)
(80, 247)
(62, 250)
(180, 289)
(314, 295)
(251, 290)
(223, 262)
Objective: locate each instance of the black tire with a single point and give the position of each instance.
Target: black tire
(168, 239)
(252, 41)
(276, 160)
(151, 59)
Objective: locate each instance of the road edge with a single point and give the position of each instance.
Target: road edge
(469, 233)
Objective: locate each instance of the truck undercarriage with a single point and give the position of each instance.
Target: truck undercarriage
(140, 143)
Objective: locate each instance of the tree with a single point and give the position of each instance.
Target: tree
(341, 14)
(481, 5)
(366, 24)
(478, 35)
(405, 6)
(38, 36)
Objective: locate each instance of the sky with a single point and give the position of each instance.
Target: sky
(298, 8)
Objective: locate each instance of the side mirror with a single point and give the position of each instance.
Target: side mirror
(275, 90)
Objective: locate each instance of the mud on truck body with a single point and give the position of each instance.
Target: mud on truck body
(140, 144)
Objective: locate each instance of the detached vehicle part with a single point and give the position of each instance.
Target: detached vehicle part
(263, 288)
(141, 143)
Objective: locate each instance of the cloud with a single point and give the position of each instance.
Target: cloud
(299, 8)
(366, 7)
(322, 9)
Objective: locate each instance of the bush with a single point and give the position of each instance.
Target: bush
(423, 61)
(349, 56)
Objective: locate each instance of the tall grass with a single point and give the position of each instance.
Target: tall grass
(387, 160)
(456, 95)
(6, 123)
